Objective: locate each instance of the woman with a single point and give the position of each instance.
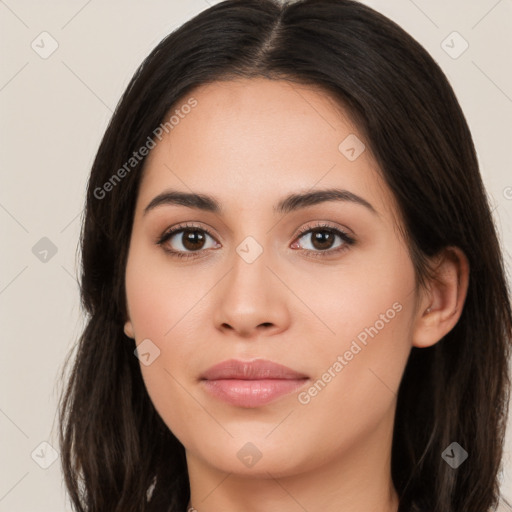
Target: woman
(295, 293)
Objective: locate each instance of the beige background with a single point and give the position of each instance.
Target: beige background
(53, 114)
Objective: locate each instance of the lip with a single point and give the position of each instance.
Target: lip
(251, 383)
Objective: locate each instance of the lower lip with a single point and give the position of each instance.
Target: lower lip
(251, 393)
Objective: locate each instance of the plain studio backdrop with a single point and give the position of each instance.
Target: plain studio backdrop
(64, 66)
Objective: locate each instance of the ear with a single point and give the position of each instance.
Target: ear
(128, 329)
(441, 306)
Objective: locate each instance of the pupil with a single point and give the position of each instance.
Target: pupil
(192, 238)
(323, 238)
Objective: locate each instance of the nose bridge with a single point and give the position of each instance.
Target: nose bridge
(250, 276)
(251, 244)
(249, 296)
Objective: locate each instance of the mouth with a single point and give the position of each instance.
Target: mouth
(251, 383)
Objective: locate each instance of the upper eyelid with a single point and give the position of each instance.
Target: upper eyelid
(322, 225)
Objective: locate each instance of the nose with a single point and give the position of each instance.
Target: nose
(251, 300)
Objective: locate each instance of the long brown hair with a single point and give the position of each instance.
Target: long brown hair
(117, 453)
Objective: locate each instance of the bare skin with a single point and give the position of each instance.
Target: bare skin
(249, 144)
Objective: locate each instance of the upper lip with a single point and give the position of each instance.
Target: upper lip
(250, 370)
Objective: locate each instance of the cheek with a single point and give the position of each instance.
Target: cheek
(159, 295)
(358, 366)
(169, 394)
(355, 384)
(340, 302)
(164, 306)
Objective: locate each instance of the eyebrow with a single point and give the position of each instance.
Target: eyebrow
(290, 203)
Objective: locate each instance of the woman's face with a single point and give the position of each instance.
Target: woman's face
(257, 284)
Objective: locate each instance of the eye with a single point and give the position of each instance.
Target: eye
(188, 239)
(322, 238)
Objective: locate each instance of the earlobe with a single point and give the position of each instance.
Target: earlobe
(442, 306)
(128, 329)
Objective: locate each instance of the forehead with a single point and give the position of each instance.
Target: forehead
(241, 115)
(261, 138)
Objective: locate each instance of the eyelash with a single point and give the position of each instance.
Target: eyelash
(348, 240)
